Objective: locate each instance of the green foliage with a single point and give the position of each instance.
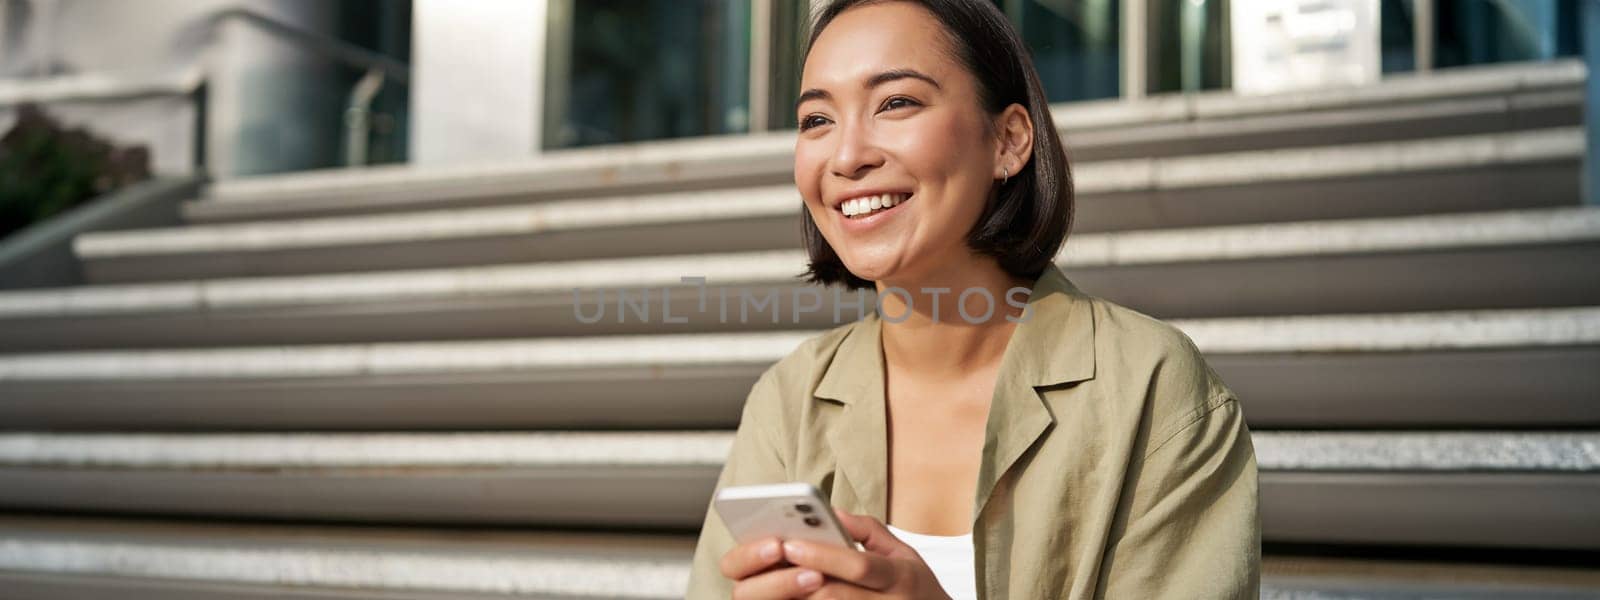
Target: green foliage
(46, 170)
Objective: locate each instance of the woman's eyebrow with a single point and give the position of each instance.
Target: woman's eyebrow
(872, 82)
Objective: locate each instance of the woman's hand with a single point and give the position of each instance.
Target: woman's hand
(887, 569)
(759, 571)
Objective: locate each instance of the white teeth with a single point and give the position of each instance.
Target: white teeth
(866, 204)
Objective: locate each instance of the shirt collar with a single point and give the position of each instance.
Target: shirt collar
(1053, 345)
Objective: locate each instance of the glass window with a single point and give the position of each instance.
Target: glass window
(1397, 35)
(631, 70)
(1188, 45)
(791, 23)
(1471, 32)
(1075, 45)
(385, 26)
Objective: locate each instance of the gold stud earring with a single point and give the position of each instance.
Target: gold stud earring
(1005, 173)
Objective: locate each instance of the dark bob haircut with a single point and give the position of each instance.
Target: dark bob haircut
(1027, 221)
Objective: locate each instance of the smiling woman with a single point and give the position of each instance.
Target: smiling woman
(1065, 447)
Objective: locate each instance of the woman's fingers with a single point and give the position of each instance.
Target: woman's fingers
(790, 582)
(872, 534)
(864, 569)
(750, 558)
(759, 568)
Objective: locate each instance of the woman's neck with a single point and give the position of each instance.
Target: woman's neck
(948, 342)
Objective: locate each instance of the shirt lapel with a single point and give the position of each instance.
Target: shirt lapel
(1053, 346)
(858, 436)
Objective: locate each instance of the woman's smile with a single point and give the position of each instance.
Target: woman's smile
(866, 213)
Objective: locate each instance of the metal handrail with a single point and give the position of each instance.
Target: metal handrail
(338, 50)
(379, 70)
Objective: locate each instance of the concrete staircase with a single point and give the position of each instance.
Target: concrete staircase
(373, 385)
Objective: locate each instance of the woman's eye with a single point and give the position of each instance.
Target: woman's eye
(890, 103)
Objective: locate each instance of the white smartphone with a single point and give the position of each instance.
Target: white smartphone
(789, 511)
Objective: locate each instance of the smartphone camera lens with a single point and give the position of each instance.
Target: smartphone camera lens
(804, 508)
(813, 521)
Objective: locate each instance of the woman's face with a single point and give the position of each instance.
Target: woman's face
(887, 110)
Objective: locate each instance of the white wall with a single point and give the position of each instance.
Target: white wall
(477, 70)
(156, 40)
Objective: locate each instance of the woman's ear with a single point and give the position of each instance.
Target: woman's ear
(1014, 141)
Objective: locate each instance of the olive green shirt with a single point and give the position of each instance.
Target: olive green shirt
(1116, 463)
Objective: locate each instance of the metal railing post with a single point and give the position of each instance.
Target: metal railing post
(1134, 49)
(358, 117)
(200, 98)
(1422, 35)
(760, 99)
(1191, 45)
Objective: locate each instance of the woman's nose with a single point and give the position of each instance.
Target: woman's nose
(856, 153)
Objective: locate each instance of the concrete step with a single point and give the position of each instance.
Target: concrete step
(1352, 574)
(1486, 99)
(1508, 259)
(1440, 369)
(1487, 80)
(633, 479)
(1454, 174)
(1496, 488)
(62, 557)
(77, 557)
(1416, 120)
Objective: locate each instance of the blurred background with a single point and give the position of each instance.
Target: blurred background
(287, 287)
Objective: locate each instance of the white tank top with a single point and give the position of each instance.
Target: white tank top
(950, 557)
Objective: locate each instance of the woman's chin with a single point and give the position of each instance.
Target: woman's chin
(873, 270)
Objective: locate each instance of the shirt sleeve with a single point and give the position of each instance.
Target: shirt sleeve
(1192, 527)
(755, 458)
